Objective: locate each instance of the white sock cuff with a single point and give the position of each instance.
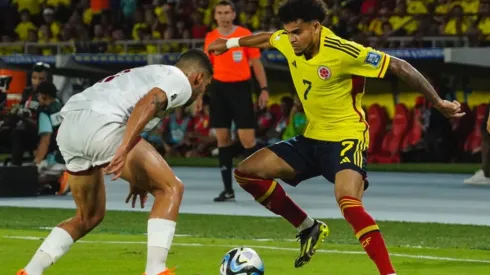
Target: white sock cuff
(161, 232)
(57, 243)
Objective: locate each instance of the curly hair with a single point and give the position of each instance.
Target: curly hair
(306, 10)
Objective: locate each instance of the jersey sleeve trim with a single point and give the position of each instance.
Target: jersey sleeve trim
(384, 65)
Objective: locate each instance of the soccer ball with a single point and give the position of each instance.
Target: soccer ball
(242, 261)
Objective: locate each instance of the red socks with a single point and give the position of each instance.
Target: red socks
(367, 231)
(271, 195)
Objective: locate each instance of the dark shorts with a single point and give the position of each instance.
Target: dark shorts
(311, 158)
(231, 101)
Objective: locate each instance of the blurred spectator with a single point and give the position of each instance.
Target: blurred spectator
(199, 29)
(25, 25)
(297, 121)
(401, 21)
(201, 137)
(23, 122)
(458, 24)
(176, 130)
(49, 21)
(275, 133)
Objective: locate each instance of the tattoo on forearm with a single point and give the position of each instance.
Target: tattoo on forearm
(161, 105)
(414, 78)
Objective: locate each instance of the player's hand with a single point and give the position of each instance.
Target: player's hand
(450, 109)
(134, 193)
(116, 165)
(263, 99)
(218, 46)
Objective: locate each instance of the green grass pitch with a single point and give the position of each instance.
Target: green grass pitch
(118, 246)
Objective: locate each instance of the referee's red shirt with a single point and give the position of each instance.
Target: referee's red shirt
(233, 65)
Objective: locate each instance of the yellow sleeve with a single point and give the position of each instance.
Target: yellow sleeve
(363, 61)
(280, 41)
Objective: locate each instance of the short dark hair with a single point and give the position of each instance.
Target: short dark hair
(196, 57)
(306, 10)
(226, 3)
(47, 88)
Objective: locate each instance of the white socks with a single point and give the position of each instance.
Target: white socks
(54, 246)
(160, 235)
(307, 223)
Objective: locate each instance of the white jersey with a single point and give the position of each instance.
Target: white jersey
(117, 95)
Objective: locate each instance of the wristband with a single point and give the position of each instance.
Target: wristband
(264, 88)
(233, 43)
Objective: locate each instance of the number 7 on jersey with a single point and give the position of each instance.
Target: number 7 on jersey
(308, 88)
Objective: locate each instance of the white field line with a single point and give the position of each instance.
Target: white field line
(424, 257)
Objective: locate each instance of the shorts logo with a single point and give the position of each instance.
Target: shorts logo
(324, 72)
(173, 97)
(373, 58)
(237, 56)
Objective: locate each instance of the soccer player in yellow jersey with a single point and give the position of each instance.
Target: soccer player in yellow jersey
(329, 75)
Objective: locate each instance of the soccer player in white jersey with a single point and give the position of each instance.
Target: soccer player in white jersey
(100, 134)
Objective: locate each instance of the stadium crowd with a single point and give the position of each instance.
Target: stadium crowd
(89, 30)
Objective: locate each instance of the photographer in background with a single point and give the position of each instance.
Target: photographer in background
(23, 117)
(48, 158)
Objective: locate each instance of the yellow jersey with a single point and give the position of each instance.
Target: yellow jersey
(331, 84)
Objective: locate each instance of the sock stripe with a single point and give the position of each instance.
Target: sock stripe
(344, 202)
(366, 230)
(345, 199)
(268, 193)
(245, 179)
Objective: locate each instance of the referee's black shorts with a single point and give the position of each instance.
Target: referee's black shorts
(231, 101)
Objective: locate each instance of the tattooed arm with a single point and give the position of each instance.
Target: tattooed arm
(143, 112)
(417, 81)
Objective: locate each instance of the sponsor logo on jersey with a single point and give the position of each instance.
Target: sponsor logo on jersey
(373, 58)
(173, 97)
(324, 72)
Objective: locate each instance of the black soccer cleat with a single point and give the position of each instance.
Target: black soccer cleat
(225, 196)
(310, 239)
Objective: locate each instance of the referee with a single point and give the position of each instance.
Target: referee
(230, 94)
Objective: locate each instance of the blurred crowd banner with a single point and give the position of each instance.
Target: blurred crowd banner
(469, 56)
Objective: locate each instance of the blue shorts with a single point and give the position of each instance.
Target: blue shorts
(311, 158)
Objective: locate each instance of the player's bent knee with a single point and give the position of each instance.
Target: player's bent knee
(174, 186)
(247, 169)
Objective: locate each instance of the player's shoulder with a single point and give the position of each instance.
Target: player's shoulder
(240, 31)
(340, 47)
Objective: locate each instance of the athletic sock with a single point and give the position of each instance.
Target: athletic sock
(54, 247)
(225, 157)
(271, 195)
(160, 235)
(367, 232)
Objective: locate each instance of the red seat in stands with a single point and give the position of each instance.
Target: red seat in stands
(416, 128)
(377, 119)
(391, 145)
(473, 142)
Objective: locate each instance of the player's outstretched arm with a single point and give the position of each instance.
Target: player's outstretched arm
(416, 80)
(259, 40)
(143, 112)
